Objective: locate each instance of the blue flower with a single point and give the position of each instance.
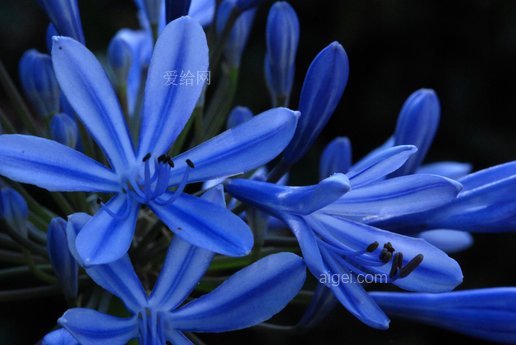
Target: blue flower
(239, 115)
(65, 16)
(64, 264)
(144, 176)
(59, 337)
(322, 89)
(282, 40)
(14, 209)
(489, 314)
(337, 242)
(64, 130)
(153, 12)
(250, 296)
(39, 83)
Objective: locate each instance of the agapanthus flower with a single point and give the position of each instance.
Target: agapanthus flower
(489, 314)
(333, 243)
(147, 174)
(65, 16)
(250, 296)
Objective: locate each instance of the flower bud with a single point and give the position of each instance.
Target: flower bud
(51, 32)
(152, 10)
(238, 116)
(417, 124)
(322, 89)
(282, 41)
(64, 130)
(120, 56)
(336, 157)
(39, 82)
(65, 16)
(14, 210)
(65, 266)
(239, 33)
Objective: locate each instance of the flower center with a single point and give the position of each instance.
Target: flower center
(150, 328)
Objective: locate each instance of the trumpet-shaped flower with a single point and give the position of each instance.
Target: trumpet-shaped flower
(146, 175)
(249, 297)
(335, 242)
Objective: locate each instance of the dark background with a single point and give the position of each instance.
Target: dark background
(465, 50)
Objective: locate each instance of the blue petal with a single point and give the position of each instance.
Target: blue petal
(298, 200)
(453, 170)
(206, 225)
(417, 124)
(322, 89)
(50, 165)
(395, 197)
(379, 165)
(437, 272)
(90, 327)
(64, 130)
(489, 314)
(65, 16)
(487, 176)
(336, 157)
(106, 238)
(282, 41)
(239, 115)
(118, 277)
(240, 149)
(352, 294)
(15, 211)
(89, 91)
(184, 266)
(63, 262)
(181, 48)
(251, 296)
(59, 337)
(450, 241)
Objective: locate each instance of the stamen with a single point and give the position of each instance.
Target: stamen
(372, 247)
(122, 216)
(385, 255)
(389, 247)
(411, 265)
(162, 158)
(178, 191)
(396, 264)
(170, 163)
(190, 163)
(147, 156)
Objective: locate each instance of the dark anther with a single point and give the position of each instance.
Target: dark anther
(162, 158)
(397, 262)
(190, 163)
(372, 247)
(411, 265)
(99, 201)
(389, 247)
(385, 255)
(398, 258)
(147, 156)
(170, 163)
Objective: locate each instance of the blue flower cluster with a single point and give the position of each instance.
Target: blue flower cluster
(160, 203)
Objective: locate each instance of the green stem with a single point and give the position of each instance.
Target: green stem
(7, 125)
(29, 293)
(46, 278)
(24, 242)
(19, 105)
(217, 50)
(14, 272)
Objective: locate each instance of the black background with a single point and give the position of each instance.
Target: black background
(465, 50)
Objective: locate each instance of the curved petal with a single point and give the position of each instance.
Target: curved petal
(298, 200)
(181, 49)
(394, 197)
(184, 265)
(487, 176)
(453, 170)
(52, 166)
(108, 235)
(206, 225)
(202, 11)
(87, 88)
(239, 149)
(436, 273)
(252, 295)
(379, 165)
(450, 241)
(90, 327)
(489, 314)
(119, 277)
